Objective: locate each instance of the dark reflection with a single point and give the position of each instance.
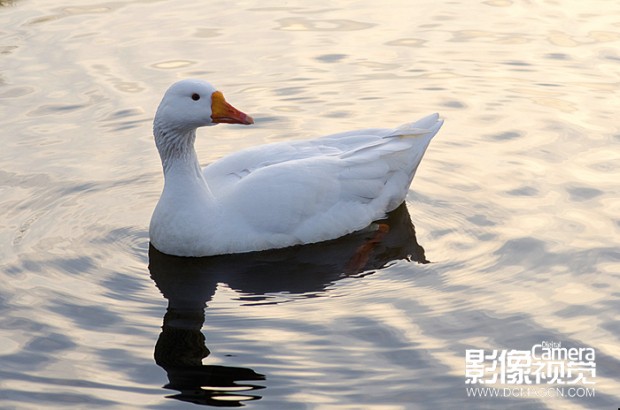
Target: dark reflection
(180, 350)
(305, 271)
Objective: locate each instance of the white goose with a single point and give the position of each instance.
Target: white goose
(276, 195)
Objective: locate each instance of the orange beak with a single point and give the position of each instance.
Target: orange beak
(222, 112)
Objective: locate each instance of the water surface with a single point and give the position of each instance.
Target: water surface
(515, 206)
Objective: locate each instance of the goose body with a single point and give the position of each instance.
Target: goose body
(275, 195)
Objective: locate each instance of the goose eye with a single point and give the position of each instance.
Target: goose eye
(195, 97)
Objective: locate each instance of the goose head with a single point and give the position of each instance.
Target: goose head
(187, 105)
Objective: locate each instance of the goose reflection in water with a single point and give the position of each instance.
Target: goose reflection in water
(306, 271)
